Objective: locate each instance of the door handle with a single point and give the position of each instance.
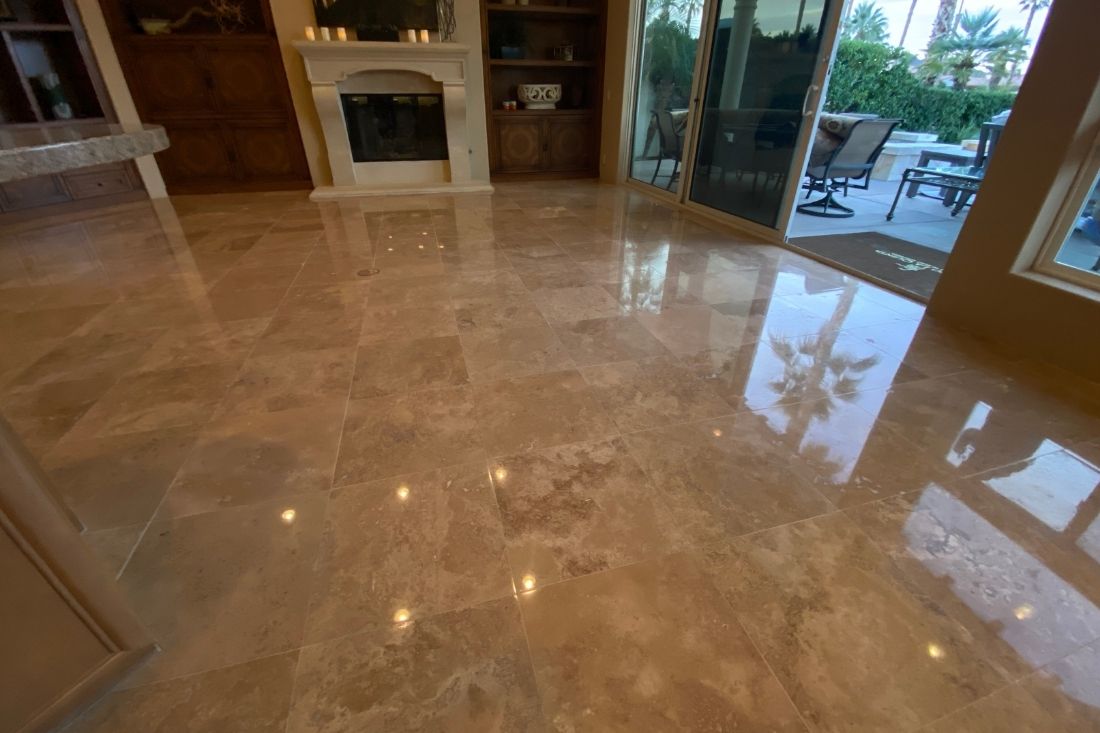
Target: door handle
(811, 91)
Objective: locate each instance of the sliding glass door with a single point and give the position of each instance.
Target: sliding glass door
(665, 71)
(764, 72)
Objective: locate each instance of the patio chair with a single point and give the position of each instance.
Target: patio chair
(852, 159)
(672, 144)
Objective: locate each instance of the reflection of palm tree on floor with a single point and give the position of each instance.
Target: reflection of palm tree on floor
(815, 375)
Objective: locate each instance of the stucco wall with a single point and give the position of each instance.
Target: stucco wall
(986, 288)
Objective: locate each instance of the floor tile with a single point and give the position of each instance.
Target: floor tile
(217, 343)
(246, 459)
(383, 323)
(113, 546)
(388, 367)
(653, 392)
(253, 697)
(224, 587)
(1010, 593)
(424, 543)
(578, 509)
(157, 399)
(483, 313)
(513, 352)
(652, 646)
(118, 480)
(462, 671)
(726, 477)
(404, 433)
(286, 382)
(603, 340)
(576, 303)
(687, 329)
(855, 650)
(538, 411)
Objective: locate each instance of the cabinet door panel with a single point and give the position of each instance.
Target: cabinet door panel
(197, 153)
(246, 79)
(521, 145)
(30, 192)
(267, 151)
(171, 82)
(569, 141)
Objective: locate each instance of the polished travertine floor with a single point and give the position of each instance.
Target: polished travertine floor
(566, 462)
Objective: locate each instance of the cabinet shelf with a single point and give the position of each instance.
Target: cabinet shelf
(37, 27)
(540, 112)
(561, 10)
(542, 63)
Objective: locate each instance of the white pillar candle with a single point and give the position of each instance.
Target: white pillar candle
(311, 35)
(325, 35)
(341, 34)
(410, 35)
(423, 35)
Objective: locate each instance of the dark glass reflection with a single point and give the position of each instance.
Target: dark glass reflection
(761, 65)
(395, 126)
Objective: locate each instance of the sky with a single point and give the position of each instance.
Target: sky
(777, 15)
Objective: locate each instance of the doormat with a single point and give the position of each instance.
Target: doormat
(911, 267)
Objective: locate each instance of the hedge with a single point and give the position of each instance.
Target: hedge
(875, 79)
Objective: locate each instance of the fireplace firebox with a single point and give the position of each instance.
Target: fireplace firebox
(392, 127)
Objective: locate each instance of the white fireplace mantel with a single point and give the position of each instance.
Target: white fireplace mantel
(331, 64)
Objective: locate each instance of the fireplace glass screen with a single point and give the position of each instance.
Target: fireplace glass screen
(395, 127)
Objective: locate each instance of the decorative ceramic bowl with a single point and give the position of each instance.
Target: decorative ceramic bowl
(540, 96)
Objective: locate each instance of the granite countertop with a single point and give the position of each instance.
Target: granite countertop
(41, 151)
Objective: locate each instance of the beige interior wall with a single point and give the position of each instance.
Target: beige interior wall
(119, 93)
(292, 16)
(986, 288)
(615, 124)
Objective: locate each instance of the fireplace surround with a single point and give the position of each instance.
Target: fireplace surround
(340, 69)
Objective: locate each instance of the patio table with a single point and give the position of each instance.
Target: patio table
(959, 183)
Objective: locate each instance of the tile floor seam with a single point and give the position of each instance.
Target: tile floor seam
(195, 445)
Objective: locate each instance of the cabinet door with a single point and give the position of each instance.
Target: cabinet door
(171, 81)
(197, 153)
(267, 151)
(569, 143)
(521, 144)
(247, 79)
(30, 192)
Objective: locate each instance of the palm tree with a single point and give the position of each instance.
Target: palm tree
(867, 23)
(1012, 51)
(1032, 7)
(944, 22)
(965, 49)
(908, 21)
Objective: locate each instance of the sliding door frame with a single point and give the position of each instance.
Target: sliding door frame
(812, 104)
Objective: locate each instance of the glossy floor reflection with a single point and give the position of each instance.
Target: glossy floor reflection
(555, 458)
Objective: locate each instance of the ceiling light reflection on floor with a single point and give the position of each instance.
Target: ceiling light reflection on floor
(288, 516)
(403, 492)
(936, 651)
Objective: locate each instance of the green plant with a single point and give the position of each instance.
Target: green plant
(965, 49)
(867, 22)
(1009, 54)
(668, 54)
(875, 79)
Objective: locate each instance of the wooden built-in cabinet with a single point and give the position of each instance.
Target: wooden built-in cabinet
(39, 38)
(532, 143)
(557, 143)
(223, 99)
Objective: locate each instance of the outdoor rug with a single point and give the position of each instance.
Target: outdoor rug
(911, 267)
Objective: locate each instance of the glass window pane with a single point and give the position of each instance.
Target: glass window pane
(762, 63)
(670, 38)
(1081, 250)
